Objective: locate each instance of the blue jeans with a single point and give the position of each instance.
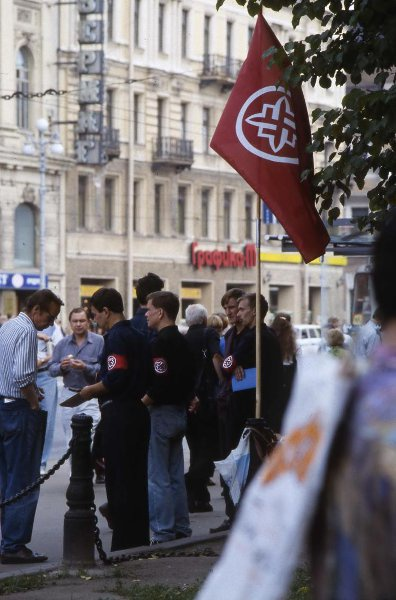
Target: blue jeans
(21, 443)
(167, 492)
(50, 404)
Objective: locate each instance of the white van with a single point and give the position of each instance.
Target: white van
(308, 338)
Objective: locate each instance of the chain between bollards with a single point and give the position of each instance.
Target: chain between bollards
(39, 481)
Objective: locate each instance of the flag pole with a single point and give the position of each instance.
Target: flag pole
(258, 308)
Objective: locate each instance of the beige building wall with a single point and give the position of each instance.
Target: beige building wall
(154, 92)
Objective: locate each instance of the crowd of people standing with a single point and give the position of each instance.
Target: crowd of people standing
(146, 386)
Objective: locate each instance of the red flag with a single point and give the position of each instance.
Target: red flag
(263, 133)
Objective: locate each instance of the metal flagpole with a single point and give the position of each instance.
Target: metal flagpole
(258, 309)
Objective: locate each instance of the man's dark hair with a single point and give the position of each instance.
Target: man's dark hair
(147, 285)
(251, 298)
(168, 301)
(77, 309)
(43, 299)
(384, 274)
(234, 293)
(107, 298)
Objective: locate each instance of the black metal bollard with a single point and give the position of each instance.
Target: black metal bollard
(79, 522)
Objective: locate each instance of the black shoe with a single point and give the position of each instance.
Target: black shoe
(225, 526)
(104, 511)
(100, 479)
(182, 536)
(22, 556)
(199, 507)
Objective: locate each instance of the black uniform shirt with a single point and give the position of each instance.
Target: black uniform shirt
(124, 367)
(173, 371)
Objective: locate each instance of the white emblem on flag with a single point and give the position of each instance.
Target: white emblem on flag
(160, 366)
(275, 123)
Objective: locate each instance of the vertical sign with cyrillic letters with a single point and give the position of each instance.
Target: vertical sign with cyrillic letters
(91, 66)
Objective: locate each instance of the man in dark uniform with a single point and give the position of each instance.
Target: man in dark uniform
(202, 428)
(243, 404)
(125, 420)
(145, 285)
(168, 395)
(232, 337)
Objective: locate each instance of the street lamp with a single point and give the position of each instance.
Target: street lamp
(29, 148)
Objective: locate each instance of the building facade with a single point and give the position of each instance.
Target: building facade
(137, 90)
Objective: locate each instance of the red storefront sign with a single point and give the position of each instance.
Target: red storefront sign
(223, 259)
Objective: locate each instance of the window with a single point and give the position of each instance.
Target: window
(82, 201)
(184, 110)
(181, 209)
(160, 116)
(205, 205)
(206, 36)
(109, 204)
(205, 129)
(109, 108)
(161, 25)
(22, 85)
(184, 33)
(158, 193)
(250, 34)
(227, 215)
(136, 202)
(229, 40)
(359, 211)
(137, 119)
(248, 216)
(110, 17)
(25, 236)
(136, 31)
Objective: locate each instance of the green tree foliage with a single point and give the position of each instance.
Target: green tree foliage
(356, 37)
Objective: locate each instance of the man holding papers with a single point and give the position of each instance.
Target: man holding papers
(241, 365)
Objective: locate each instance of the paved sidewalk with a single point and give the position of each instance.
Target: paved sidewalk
(48, 527)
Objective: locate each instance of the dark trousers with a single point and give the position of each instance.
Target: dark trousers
(202, 440)
(125, 439)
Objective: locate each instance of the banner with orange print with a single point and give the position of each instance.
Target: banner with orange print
(266, 541)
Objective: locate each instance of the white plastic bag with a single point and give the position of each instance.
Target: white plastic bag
(234, 469)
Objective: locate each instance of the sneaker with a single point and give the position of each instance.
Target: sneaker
(225, 526)
(23, 556)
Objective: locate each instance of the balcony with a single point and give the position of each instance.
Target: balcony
(111, 142)
(173, 152)
(221, 70)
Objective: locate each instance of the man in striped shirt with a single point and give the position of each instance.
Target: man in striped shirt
(21, 423)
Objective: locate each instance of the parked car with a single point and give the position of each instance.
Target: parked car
(308, 338)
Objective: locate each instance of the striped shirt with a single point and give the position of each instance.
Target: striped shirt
(18, 355)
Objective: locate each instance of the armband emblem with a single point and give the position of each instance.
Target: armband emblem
(160, 366)
(228, 362)
(116, 361)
